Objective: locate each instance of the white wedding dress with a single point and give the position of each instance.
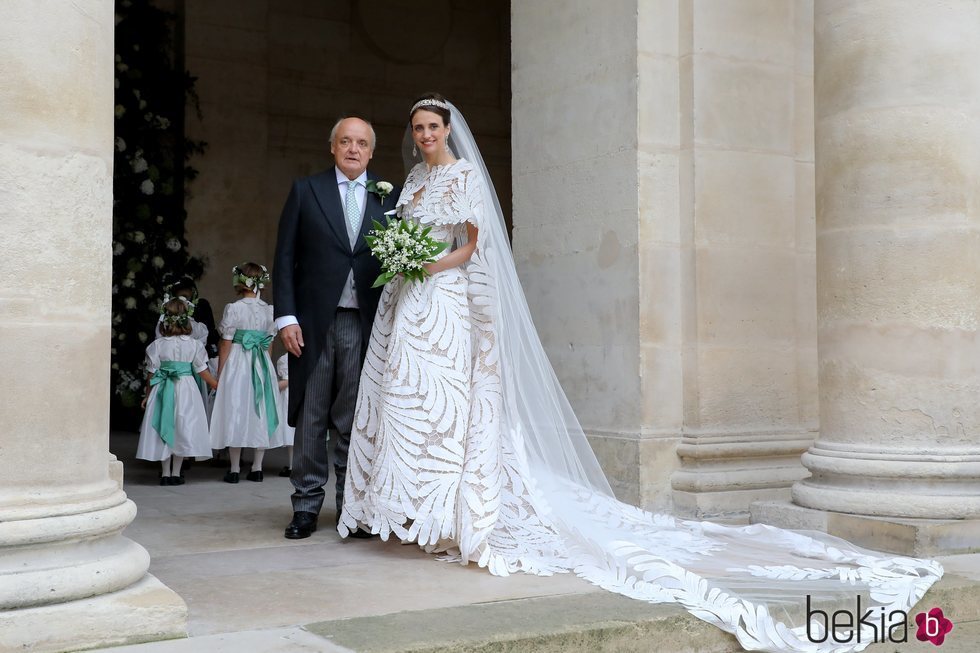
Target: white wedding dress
(464, 443)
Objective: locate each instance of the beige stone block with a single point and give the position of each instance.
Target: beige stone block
(746, 296)
(658, 27)
(41, 408)
(661, 287)
(910, 537)
(803, 118)
(864, 55)
(747, 388)
(574, 307)
(601, 381)
(806, 299)
(804, 197)
(146, 611)
(894, 166)
(54, 94)
(751, 30)
(550, 220)
(547, 32)
(619, 458)
(559, 124)
(803, 36)
(744, 198)
(807, 387)
(662, 387)
(657, 102)
(658, 196)
(55, 208)
(921, 279)
(887, 388)
(743, 105)
(685, 110)
(658, 462)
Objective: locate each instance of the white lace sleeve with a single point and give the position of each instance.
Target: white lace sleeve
(471, 204)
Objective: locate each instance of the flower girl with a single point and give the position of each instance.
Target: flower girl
(175, 425)
(287, 432)
(246, 406)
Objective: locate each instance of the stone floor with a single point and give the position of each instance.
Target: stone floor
(247, 588)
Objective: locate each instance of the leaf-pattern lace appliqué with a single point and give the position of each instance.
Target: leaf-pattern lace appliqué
(434, 461)
(429, 460)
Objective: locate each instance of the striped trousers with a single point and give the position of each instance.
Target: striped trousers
(328, 405)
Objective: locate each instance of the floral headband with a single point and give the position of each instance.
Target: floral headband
(254, 283)
(169, 318)
(186, 282)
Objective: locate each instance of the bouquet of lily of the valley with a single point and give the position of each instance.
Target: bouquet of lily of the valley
(403, 247)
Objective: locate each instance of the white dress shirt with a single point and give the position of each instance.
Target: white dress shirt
(348, 296)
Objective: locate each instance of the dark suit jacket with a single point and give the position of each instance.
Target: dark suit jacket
(313, 259)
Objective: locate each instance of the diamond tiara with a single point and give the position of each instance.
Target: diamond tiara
(430, 103)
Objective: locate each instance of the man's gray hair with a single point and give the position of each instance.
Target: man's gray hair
(333, 131)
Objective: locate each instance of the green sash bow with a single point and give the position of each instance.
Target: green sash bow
(257, 342)
(164, 409)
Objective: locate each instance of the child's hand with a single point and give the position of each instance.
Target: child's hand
(143, 403)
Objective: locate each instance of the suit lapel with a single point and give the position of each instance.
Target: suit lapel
(327, 194)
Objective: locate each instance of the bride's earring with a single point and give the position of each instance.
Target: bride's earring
(415, 151)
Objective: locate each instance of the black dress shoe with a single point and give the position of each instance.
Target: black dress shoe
(303, 525)
(361, 534)
(255, 476)
(231, 477)
(176, 480)
(164, 480)
(286, 471)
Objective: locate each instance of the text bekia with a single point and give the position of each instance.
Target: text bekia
(874, 625)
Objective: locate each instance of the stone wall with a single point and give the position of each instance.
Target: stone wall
(670, 262)
(273, 77)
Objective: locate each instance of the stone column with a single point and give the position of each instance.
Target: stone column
(898, 274)
(68, 579)
(663, 231)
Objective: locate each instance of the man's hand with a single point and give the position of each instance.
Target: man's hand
(292, 338)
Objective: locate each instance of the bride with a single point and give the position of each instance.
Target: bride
(464, 442)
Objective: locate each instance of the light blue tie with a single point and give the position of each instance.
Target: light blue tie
(350, 207)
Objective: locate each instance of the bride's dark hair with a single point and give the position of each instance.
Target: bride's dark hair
(444, 113)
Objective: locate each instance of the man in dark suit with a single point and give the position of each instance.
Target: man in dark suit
(324, 307)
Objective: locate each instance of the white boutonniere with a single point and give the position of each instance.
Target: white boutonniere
(380, 188)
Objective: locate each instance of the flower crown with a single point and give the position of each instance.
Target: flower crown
(169, 318)
(431, 102)
(169, 281)
(258, 282)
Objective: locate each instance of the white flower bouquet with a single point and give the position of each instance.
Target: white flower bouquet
(403, 247)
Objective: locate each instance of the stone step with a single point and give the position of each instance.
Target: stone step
(593, 622)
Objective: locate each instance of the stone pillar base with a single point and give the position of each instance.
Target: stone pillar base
(724, 473)
(903, 536)
(145, 611)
